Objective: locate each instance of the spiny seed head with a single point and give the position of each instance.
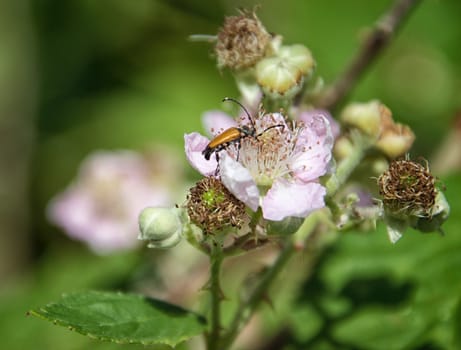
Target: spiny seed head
(212, 207)
(407, 188)
(242, 41)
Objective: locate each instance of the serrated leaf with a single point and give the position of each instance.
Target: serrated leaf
(123, 318)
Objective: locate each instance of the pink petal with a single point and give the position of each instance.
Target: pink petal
(215, 122)
(292, 199)
(194, 144)
(314, 146)
(239, 181)
(307, 116)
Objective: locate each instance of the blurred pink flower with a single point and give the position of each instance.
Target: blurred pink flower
(102, 205)
(278, 171)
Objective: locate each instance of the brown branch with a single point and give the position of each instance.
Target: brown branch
(384, 30)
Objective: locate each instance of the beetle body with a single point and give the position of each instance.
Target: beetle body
(226, 138)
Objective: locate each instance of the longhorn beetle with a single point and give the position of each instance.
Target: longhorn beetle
(234, 135)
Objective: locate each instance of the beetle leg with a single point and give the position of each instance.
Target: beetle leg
(239, 145)
(216, 172)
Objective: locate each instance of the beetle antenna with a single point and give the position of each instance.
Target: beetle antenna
(243, 107)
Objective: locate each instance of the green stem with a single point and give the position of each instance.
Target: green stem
(247, 308)
(216, 259)
(361, 144)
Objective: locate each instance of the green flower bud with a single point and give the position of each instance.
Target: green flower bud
(161, 227)
(364, 116)
(283, 75)
(375, 120)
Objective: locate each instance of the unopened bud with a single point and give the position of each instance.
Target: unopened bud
(161, 227)
(395, 139)
(375, 120)
(364, 116)
(283, 75)
(343, 148)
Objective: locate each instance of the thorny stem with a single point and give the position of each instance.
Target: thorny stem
(379, 38)
(216, 259)
(248, 307)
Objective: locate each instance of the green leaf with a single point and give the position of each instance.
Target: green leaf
(123, 318)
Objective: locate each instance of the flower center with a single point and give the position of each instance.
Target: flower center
(268, 156)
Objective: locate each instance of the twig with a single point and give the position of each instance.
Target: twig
(384, 30)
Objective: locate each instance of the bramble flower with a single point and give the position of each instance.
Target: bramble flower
(101, 206)
(278, 170)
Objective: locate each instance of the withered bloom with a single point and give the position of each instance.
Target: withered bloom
(212, 207)
(242, 41)
(410, 198)
(407, 188)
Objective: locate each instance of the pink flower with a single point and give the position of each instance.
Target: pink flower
(101, 207)
(277, 171)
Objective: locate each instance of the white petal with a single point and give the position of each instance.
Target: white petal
(239, 181)
(292, 199)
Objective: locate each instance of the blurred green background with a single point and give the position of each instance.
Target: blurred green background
(76, 76)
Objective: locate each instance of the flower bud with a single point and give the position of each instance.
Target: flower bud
(283, 75)
(242, 41)
(343, 148)
(161, 227)
(365, 116)
(375, 120)
(395, 139)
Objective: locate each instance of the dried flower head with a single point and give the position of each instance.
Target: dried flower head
(242, 41)
(212, 207)
(408, 188)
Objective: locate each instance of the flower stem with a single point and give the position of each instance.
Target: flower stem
(361, 144)
(216, 258)
(247, 308)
